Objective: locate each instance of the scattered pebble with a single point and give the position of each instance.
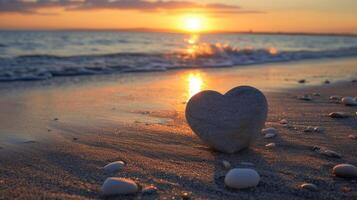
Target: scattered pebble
(309, 129)
(270, 145)
(309, 186)
(302, 81)
(226, 164)
(318, 129)
(335, 98)
(316, 94)
(55, 119)
(75, 139)
(185, 196)
(305, 97)
(354, 81)
(149, 190)
(240, 178)
(339, 115)
(348, 101)
(352, 137)
(283, 121)
(49, 130)
(116, 186)
(346, 189)
(330, 153)
(269, 132)
(345, 171)
(327, 82)
(114, 166)
(315, 148)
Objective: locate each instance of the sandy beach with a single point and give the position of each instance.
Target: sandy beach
(56, 135)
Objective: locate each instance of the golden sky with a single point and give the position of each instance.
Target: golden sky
(213, 15)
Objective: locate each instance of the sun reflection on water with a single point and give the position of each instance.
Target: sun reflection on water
(195, 84)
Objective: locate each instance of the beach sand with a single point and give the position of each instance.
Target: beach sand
(56, 135)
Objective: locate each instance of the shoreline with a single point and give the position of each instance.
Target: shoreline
(131, 122)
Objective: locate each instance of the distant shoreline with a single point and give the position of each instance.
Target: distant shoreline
(145, 30)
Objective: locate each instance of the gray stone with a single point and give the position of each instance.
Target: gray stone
(240, 178)
(226, 164)
(345, 171)
(229, 122)
(117, 186)
(349, 101)
(114, 166)
(339, 115)
(269, 132)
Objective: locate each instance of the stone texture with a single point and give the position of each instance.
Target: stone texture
(240, 178)
(228, 122)
(118, 186)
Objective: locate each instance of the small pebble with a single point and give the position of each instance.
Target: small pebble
(302, 81)
(316, 94)
(330, 153)
(269, 132)
(309, 186)
(240, 178)
(352, 137)
(283, 121)
(339, 115)
(345, 171)
(226, 164)
(354, 81)
(55, 119)
(270, 145)
(75, 139)
(185, 196)
(149, 190)
(335, 98)
(318, 129)
(114, 166)
(309, 129)
(327, 82)
(117, 186)
(305, 97)
(348, 101)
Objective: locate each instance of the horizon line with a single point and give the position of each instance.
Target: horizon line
(153, 30)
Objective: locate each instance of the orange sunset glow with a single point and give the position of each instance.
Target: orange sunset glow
(190, 15)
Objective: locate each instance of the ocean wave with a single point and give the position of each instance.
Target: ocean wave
(40, 67)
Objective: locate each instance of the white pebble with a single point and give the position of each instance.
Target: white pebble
(309, 186)
(270, 145)
(114, 166)
(345, 171)
(240, 178)
(269, 132)
(116, 186)
(226, 164)
(348, 101)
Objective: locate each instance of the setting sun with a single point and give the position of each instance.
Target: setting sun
(193, 23)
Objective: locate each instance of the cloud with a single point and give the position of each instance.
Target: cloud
(33, 6)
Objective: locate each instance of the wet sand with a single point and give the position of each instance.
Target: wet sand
(57, 135)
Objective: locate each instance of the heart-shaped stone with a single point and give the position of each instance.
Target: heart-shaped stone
(228, 122)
